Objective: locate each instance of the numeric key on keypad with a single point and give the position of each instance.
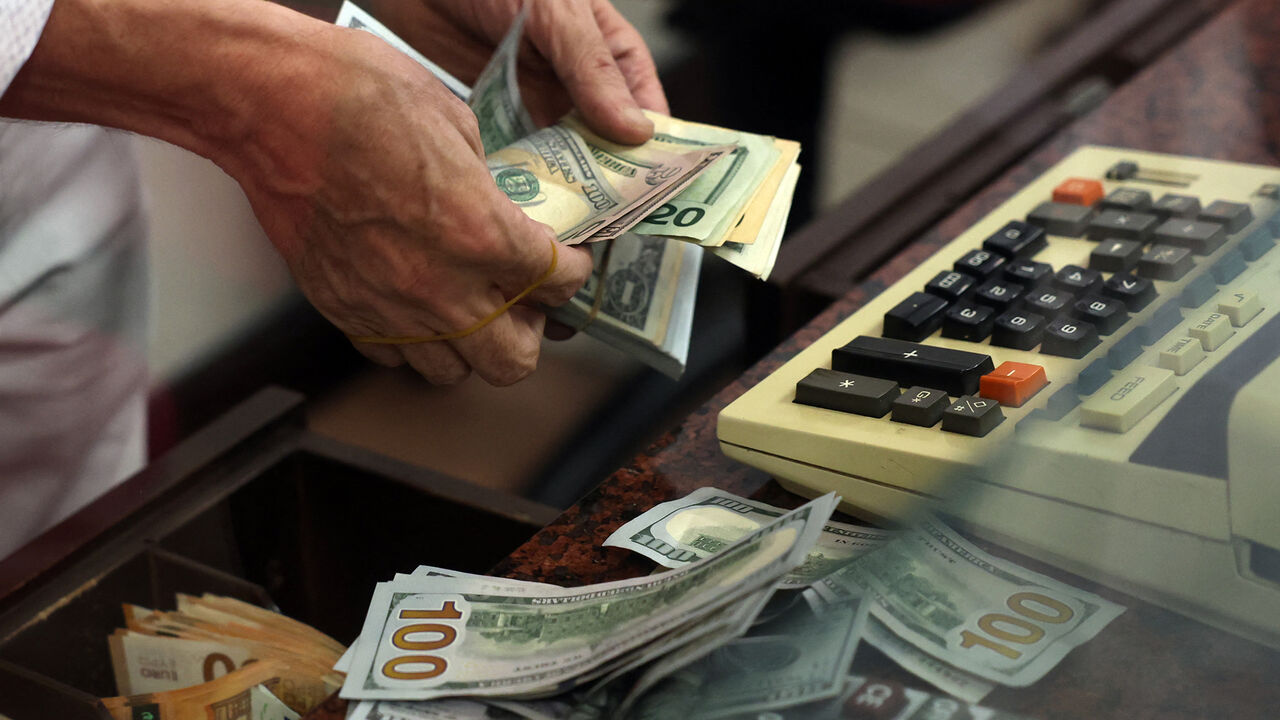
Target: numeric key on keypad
(1115, 255)
(1105, 315)
(846, 392)
(1018, 330)
(1201, 238)
(1049, 303)
(970, 415)
(1016, 239)
(1027, 273)
(920, 406)
(915, 318)
(1077, 280)
(1122, 224)
(979, 263)
(950, 285)
(1069, 337)
(1126, 199)
(968, 322)
(1235, 216)
(1135, 292)
(1063, 219)
(999, 294)
(907, 363)
(1165, 262)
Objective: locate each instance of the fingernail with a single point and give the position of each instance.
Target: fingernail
(637, 119)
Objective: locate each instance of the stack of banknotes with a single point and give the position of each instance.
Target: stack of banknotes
(649, 211)
(217, 657)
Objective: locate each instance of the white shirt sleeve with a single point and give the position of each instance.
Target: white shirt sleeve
(21, 22)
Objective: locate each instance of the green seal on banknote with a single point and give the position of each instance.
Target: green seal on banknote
(519, 184)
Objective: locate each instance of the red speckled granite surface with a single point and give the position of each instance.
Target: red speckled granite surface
(1217, 96)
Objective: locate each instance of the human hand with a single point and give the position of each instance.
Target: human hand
(375, 192)
(576, 53)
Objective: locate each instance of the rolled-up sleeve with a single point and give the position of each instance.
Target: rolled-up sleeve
(21, 22)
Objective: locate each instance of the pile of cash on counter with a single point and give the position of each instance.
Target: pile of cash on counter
(758, 612)
(649, 211)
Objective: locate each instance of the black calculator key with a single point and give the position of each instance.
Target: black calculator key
(979, 263)
(1069, 337)
(846, 392)
(950, 285)
(1200, 237)
(971, 415)
(955, 372)
(1123, 170)
(1107, 315)
(915, 318)
(999, 294)
(1176, 206)
(1048, 302)
(1165, 262)
(1028, 273)
(1135, 292)
(1018, 330)
(1094, 376)
(1126, 199)
(1122, 225)
(1064, 219)
(1077, 280)
(1235, 216)
(968, 322)
(1016, 239)
(1115, 255)
(920, 406)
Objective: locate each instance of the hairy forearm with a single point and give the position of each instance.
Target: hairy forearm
(202, 74)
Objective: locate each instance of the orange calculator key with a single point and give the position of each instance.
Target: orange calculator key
(1078, 191)
(1013, 383)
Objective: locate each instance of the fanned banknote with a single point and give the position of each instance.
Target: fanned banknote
(976, 612)
(707, 520)
(440, 637)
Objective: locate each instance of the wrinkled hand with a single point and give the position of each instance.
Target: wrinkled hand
(576, 54)
(375, 191)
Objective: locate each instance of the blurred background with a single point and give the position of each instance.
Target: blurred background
(864, 86)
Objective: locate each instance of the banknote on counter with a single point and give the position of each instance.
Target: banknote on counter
(250, 693)
(974, 611)
(655, 207)
(441, 637)
(877, 699)
(707, 520)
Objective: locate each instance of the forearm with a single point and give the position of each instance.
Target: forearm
(196, 73)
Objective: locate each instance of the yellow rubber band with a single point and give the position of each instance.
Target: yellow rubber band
(414, 339)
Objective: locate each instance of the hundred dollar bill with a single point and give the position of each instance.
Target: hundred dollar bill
(950, 680)
(437, 637)
(426, 710)
(980, 613)
(707, 520)
(877, 699)
(799, 659)
(352, 16)
(495, 99)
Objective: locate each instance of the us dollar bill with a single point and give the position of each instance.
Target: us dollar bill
(707, 520)
(799, 659)
(886, 700)
(442, 637)
(974, 611)
(495, 99)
